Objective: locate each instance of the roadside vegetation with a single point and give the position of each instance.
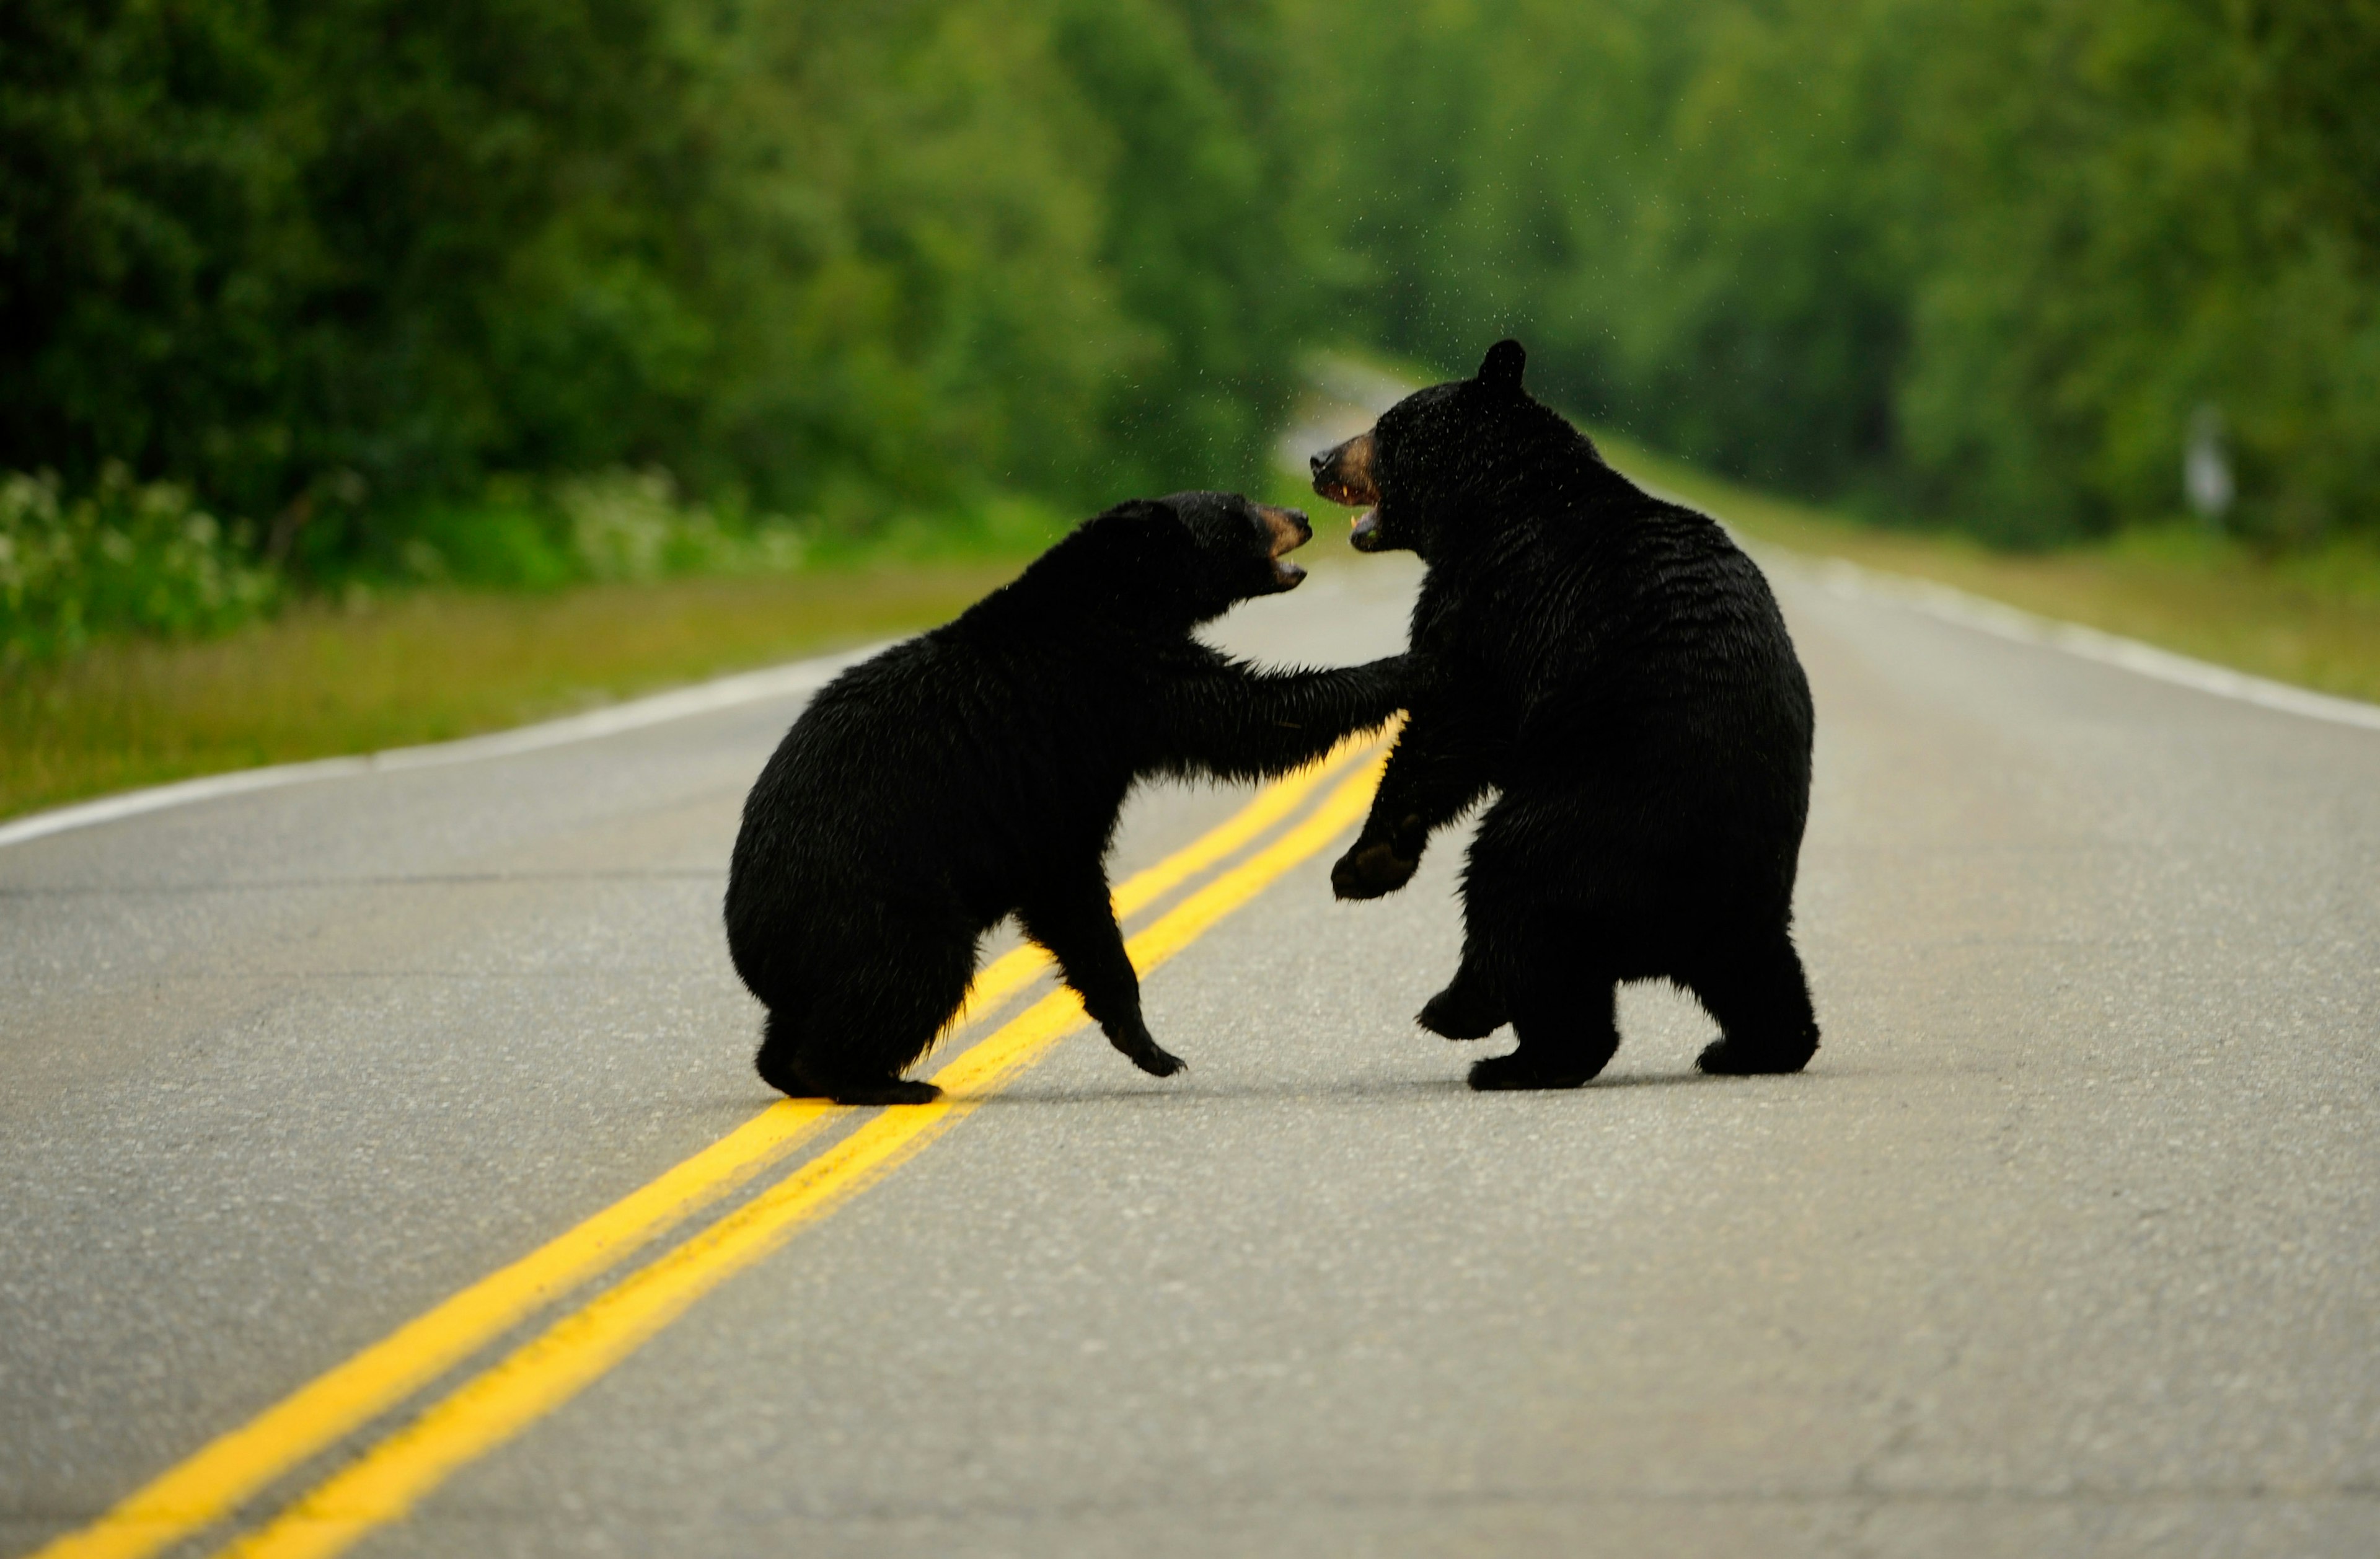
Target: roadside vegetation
(2311, 616)
(379, 668)
(377, 671)
(365, 319)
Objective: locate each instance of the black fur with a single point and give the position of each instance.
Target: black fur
(975, 772)
(1619, 670)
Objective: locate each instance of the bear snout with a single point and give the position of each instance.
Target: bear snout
(1288, 528)
(1343, 474)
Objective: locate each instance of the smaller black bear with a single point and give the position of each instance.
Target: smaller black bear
(1619, 670)
(977, 771)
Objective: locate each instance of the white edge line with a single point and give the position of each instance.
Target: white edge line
(725, 692)
(1841, 577)
(1838, 575)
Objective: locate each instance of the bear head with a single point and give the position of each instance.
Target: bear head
(1448, 458)
(1191, 557)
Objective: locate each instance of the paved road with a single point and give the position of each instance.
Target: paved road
(2069, 1243)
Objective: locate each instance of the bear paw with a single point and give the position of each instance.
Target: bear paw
(1369, 871)
(1451, 1016)
(1160, 1064)
(1150, 1056)
(888, 1090)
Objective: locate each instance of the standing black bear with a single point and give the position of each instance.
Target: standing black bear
(1616, 668)
(975, 772)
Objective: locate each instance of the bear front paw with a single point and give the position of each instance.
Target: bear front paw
(1369, 871)
(1457, 1014)
(1157, 1062)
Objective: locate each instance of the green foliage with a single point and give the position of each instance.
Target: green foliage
(1204, 249)
(1982, 259)
(396, 281)
(2155, 222)
(610, 526)
(128, 557)
(829, 261)
(1678, 205)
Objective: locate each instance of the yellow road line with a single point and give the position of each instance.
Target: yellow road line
(206, 1486)
(542, 1374)
(1011, 972)
(211, 1482)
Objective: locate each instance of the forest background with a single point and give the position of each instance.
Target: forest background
(523, 292)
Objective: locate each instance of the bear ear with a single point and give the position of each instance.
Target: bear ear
(1501, 370)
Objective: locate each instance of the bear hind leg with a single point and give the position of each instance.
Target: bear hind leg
(800, 1071)
(779, 1062)
(889, 1090)
(853, 1040)
(1567, 1028)
(1761, 1000)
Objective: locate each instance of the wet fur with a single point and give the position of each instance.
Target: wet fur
(977, 772)
(1615, 671)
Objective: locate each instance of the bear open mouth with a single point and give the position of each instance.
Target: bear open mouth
(1289, 531)
(1344, 475)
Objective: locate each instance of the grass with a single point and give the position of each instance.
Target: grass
(428, 665)
(2309, 618)
(423, 667)
(2312, 618)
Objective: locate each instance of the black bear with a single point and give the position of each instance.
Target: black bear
(1618, 671)
(975, 772)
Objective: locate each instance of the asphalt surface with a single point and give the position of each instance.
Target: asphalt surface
(2069, 1242)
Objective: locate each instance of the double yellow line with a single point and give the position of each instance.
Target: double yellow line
(490, 1406)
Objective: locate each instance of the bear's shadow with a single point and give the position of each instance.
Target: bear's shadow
(1177, 1089)
(1181, 1088)
(1432, 1088)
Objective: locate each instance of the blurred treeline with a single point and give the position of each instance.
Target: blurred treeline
(1982, 261)
(338, 264)
(377, 280)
